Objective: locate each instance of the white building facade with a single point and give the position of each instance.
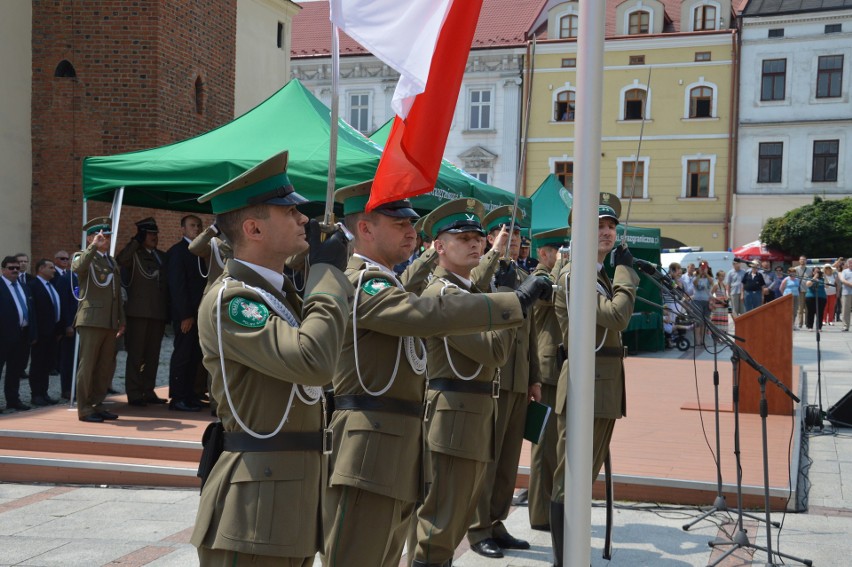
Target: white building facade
(795, 116)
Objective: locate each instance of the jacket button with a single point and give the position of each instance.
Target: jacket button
(267, 472)
(377, 425)
(506, 315)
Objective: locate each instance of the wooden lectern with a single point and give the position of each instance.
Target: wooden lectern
(768, 334)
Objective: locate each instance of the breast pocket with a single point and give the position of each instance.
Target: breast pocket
(265, 499)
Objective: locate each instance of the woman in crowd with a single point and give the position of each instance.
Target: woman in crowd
(815, 298)
(790, 286)
(719, 302)
(830, 294)
(702, 282)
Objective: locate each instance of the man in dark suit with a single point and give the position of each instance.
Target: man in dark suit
(47, 317)
(186, 274)
(65, 285)
(16, 332)
(24, 262)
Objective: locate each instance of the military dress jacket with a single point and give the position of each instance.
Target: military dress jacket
(100, 302)
(615, 302)
(416, 275)
(214, 251)
(269, 502)
(461, 424)
(144, 278)
(548, 335)
(378, 450)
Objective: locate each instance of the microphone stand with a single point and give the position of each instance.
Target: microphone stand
(814, 414)
(740, 538)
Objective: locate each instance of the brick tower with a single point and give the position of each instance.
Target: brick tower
(113, 76)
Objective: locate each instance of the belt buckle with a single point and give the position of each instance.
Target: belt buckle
(426, 411)
(327, 441)
(495, 389)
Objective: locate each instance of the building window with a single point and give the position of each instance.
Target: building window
(280, 36)
(199, 95)
(702, 56)
(829, 76)
(634, 104)
(359, 111)
(772, 83)
(481, 175)
(636, 60)
(777, 32)
(698, 178)
(568, 26)
(700, 102)
(566, 103)
(569, 62)
(833, 28)
(65, 70)
(632, 179)
(480, 109)
(826, 154)
(639, 22)
(769, 161)
(704, 18)
(564, 171)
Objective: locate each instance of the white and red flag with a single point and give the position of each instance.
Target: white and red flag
(427, 42)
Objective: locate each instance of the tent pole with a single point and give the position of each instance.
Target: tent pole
(582, 316)
(115, 215)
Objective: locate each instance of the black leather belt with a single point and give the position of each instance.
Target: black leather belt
(466, 386)
(378, 403)
(239, 442)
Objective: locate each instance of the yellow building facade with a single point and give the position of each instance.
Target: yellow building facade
(666, 130)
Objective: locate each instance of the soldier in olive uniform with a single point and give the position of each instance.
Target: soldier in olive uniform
(380, 380)
(463, 385)
(615, 301)
(215, 251)
(147, 309)
(99, 321)
(548, 337)
(519, 382)
(269, 353)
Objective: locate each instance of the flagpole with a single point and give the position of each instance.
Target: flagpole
(328, 218)
(581, 313)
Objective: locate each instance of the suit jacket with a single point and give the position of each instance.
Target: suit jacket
(461, 424)
(268, 502)
(65, 285)
(44, 313)
(10, 321)
(186, 281)
(100, 302)
(614, 309)
(374, 450)
(144, 278)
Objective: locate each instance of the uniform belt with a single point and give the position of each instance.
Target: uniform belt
(378, 403)
(468, 387)
(611, 352)
(239, 442)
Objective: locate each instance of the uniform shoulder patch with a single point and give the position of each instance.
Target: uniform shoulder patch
(375, 285)
(248, 313)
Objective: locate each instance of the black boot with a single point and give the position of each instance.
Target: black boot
(557, 531)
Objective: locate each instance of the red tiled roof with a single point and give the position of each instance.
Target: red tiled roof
(502, 23)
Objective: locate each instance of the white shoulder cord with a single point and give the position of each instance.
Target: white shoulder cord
(199, 259)
(145, 274)
(418, 365)
(601, 291)
(214, 249)
(447, 344)
(293, 390)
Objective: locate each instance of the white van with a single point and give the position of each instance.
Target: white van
(717, 260)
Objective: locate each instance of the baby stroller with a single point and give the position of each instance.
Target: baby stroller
(675, 326)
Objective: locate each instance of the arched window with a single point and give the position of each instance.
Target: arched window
(65, 69)
(704, 18)
(701, 102)
(565, 106)
(568, 26)
(199, 95)
(634, 104)
(639, 22)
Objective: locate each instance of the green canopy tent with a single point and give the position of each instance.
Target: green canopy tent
(551, 203)
(453, 182)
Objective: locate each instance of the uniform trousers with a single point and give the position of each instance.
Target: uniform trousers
(66, 363)
(543, 465)
(602, 435)
(446, 513)
(364, 528)
(142, 340)
(495, 500)
(95, 369)
(228, 558)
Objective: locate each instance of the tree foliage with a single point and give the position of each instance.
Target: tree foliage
(822, 229)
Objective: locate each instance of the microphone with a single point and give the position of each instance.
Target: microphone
(644, 266)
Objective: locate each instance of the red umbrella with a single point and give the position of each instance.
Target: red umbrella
(757, 251)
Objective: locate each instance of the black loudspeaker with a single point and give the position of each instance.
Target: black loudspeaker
(840, 414)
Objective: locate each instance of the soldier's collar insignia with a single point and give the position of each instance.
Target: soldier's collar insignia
(375, 285)
(248, 313)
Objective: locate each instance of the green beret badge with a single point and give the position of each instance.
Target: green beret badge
(248, 313)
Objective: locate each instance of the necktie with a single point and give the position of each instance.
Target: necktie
(54, 298)
(22, 303)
